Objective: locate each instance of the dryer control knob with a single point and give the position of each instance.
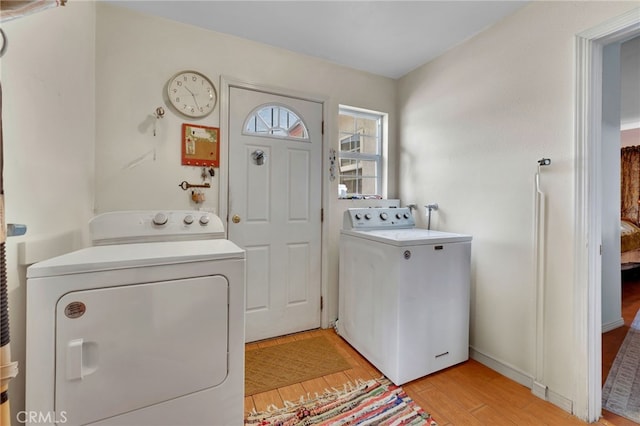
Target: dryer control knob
(384, 216)
(398, 216)
(407, 215)
(367, 216)
(358, 216)
(188, 219)
(204, 220)
(160, 219)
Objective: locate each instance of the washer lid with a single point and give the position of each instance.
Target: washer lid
(103, 258)
(408, 237)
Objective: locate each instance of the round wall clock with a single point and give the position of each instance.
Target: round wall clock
(192, 94)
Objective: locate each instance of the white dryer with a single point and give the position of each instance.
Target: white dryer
(403, 293)
(146, 327)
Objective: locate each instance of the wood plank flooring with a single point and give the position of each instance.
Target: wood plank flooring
(467, 394)
(612, 340)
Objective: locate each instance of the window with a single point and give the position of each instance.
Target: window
(360, 152)
(276, 121)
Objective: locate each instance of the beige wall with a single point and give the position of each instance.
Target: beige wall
(473, 124)
(48, 119)
(136, 55)
(630, 137)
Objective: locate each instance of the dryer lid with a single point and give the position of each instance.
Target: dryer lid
(126, 256)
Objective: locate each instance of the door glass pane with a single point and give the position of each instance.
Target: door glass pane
(275, 121)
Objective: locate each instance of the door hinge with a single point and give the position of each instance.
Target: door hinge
(322, 127)
(321, 303)
(321, 215)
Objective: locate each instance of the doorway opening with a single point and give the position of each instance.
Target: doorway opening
(588, 188)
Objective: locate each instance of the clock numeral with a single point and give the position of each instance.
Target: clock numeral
(179, 83)
(194, 78)
(177, 98)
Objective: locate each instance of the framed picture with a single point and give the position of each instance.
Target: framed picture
(200, 145)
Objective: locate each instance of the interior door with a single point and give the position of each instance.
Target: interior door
(275, 168)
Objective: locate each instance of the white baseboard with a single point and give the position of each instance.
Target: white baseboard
(612, 325)
(538, 389)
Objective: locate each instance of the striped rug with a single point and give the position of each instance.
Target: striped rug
(374, 402)
(621, 391)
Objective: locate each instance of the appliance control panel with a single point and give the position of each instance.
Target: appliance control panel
(146, 226)
(378, 218)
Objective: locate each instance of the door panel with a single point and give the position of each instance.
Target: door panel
(276, 203)
(299, 185)
(259, 192)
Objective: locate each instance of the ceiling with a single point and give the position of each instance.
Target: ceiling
(387, 38)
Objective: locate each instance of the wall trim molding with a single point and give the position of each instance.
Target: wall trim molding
(612, 325)
(520, 377)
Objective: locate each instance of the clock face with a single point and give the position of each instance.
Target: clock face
(192, 94)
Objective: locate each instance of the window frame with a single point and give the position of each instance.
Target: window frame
(379, 158)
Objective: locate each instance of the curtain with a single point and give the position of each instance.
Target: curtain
(630, 182)
(13, 9)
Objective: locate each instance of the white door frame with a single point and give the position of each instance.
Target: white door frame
(226, 83)
(588, 212)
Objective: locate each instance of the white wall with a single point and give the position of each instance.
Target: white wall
(473, 124)
(610, 160)
(48, 118)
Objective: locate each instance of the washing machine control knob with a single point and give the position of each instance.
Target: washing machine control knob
(367, 216)
(204, 220)
(358, 216)
(384, 216)
(407, 215)
(398, 216)
(188, 219)
(160, 219)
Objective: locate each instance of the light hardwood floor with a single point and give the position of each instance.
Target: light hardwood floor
(467, 394)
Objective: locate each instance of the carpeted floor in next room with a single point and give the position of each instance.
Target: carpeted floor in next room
(612, 340)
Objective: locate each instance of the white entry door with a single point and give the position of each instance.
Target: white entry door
(274, 212)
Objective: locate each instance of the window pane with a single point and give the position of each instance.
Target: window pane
(360, 148)
(276, 121)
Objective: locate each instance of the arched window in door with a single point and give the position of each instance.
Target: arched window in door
(276, 121)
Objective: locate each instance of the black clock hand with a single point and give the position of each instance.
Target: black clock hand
(194, 97)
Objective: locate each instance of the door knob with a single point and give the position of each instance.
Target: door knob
(235, 218)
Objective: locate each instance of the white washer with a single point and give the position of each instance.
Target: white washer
(404, 293)
(144, 328)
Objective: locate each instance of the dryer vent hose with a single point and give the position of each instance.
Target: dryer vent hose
(8, 371)
(4, 301)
